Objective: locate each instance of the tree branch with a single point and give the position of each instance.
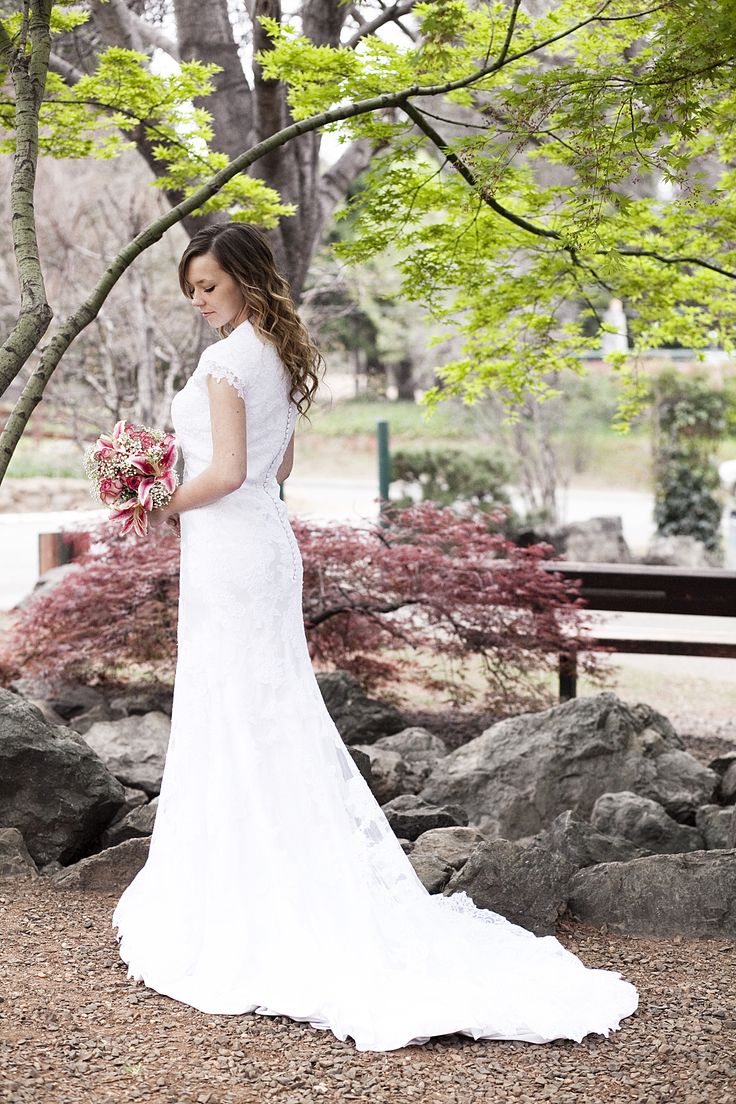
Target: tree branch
(534, 228)
(143, 34)
(358, 607)
(336, 182)
(28, 73)
(388, 15)
(65, 69)
(466, 172)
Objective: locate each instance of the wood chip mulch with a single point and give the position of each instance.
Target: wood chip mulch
(75, 1030)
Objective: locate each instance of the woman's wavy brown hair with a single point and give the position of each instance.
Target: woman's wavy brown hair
(243, 251)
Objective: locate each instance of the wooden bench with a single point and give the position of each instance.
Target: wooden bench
(644, 588)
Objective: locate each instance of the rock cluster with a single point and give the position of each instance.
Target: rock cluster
(594, 807)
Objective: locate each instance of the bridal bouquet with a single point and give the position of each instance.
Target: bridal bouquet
(132, 470)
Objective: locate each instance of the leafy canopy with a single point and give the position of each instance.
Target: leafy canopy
(94, 116)
(523, 194)
(564, 153)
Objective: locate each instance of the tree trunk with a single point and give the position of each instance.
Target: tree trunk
(243, 114)
(403, 372)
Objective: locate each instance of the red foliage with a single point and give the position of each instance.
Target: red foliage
(118, 608)
(415, 600)
(437, 585)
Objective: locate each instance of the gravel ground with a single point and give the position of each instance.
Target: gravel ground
(75, 1030)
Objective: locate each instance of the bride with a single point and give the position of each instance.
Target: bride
(274, 883)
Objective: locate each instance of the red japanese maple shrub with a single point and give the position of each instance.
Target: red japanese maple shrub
(117, 609)
(412, 601)
(434, 585)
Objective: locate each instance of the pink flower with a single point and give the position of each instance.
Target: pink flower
(109, 444)
(133, 517)
(144, 492)
(130, 494)
(110, 491)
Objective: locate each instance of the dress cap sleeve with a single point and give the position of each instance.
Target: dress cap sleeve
(221, 367)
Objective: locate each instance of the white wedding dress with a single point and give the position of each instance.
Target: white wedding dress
(274, 883)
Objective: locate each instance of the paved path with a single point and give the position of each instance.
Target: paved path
(19, 547)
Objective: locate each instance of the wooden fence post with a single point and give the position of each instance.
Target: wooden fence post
(53, 551)
(568, 670)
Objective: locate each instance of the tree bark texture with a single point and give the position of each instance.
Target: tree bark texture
(28, 70)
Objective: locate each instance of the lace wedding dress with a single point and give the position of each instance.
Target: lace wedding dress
(274, 883)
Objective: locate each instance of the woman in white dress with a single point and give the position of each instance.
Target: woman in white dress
(274, 883)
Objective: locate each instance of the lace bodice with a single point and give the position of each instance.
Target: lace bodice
(255, 369)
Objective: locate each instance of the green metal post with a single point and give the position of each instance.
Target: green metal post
(384, 464)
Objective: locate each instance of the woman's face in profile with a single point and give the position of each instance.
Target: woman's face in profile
(217, 296)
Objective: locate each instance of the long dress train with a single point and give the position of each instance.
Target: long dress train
(274, 883)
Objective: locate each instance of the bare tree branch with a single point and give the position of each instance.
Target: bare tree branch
(145, 35)
(65, 69)
(388, 15)
(336, 182)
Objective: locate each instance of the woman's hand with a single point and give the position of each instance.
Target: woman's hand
(164, 514)
(168, 513)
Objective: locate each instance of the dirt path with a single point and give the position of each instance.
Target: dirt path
(73, 1029)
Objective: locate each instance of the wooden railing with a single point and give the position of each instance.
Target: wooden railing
(643, 588)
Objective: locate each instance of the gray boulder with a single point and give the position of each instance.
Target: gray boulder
(419, 748)
(433, 872)
(679, 551)
(409, 816)
(722, 762)
(389, 772)
(645, 823)
(134, 748)
(79, 706)
(15, 859)
(690, 894)
(137, 822)
(725, 767)
(451, 845)
(358, 718)
(401, 763)
(582, 844)
(727, 787)
(140, 698)
(521, 773)
(53, 787)
(109, 870)
(133, 798)
(363, 763)
(715, 824)
(527, 885)
(597, 540)
(49, 715)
